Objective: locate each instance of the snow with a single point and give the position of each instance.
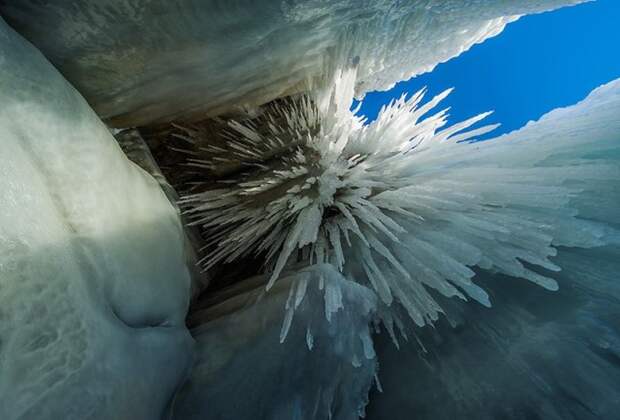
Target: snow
(93, 283)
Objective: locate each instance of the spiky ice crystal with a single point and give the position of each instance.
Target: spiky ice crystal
(403, 204)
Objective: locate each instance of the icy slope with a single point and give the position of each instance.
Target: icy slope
(93, 283)
(139, 61)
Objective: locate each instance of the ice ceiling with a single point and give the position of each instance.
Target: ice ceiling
(96, 277)
(144, 61)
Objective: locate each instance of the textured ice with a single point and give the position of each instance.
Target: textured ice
(256, 361)
(93, 283)
(510, 204)
(402, 205)
(136, 149)
(139, 61)
(534, 354)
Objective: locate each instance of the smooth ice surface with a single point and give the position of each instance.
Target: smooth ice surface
(93, 283)
(136, 149)
(140, 61)
(257, 361)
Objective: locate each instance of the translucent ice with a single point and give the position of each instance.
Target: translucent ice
(256, 361)
(139, 61)
(507, 205)
(93, 283)
(534, 354)
(402, 205)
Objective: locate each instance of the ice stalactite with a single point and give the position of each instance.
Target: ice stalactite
(534, 354)
(402, 205)
(323, 370)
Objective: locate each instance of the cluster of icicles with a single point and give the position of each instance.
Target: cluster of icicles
(395, 205)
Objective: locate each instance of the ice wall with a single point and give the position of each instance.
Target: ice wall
(93, 283)
(534, 354)
(256, 360)
(143, 61)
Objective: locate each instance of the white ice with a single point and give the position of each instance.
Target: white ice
(257, 361)
(93, 283)
(407, 203)
(137, 62)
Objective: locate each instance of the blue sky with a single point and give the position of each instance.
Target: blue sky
(538, 63)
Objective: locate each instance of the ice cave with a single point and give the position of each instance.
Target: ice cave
(198, 223)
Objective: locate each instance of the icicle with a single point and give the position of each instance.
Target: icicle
(309, 339)
(423, 204)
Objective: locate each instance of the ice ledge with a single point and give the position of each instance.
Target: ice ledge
(138, 64)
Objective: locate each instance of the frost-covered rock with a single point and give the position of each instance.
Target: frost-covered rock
(93, 283)
(139, 61)
(259, 359)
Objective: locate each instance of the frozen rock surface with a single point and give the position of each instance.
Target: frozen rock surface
(93, 283)
(256, 360)
(144, 61)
